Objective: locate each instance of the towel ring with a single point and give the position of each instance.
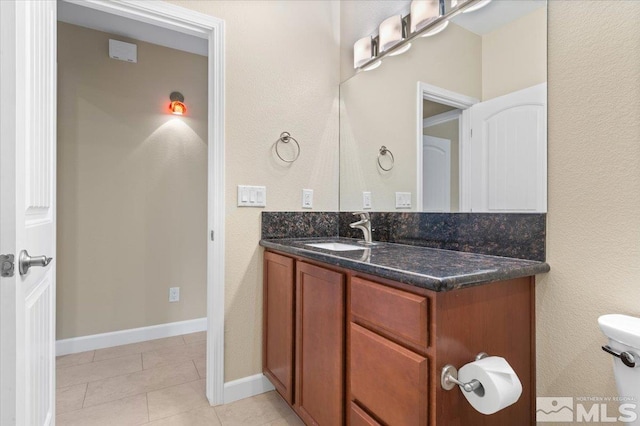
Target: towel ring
(285, 137)
(385, 151)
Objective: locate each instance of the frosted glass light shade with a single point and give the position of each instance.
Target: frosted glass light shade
(423, 12)
(401, 50)
(435, 30)
(372, 66)
(390, 32)
(362, 51)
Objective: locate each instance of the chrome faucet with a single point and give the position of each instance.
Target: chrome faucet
(364, 224)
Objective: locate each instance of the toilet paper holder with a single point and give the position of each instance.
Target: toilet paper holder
(449, 378)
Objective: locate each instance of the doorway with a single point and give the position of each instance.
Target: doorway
(443, 126)
(178, 28)
(26, 383)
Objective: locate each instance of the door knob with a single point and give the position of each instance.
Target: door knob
(25, 261)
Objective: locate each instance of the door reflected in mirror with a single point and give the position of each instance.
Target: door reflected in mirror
(464, 113)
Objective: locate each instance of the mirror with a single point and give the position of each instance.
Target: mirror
(455, 124)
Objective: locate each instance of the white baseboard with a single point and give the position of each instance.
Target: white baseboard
(246, 387)
(134, 335)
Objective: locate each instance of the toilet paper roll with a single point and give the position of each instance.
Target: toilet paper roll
(501, 386)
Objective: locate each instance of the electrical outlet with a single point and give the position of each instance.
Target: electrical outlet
(307, 198)
(366, 200)
(403, 200)
(174, 294)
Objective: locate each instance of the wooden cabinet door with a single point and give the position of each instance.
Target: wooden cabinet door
(388, 379)
(320, 347)
(279, 325)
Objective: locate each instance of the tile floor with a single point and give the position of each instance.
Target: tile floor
(158, 382)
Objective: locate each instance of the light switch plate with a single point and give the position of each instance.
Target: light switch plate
(252, 196)
(307, 198)
(366, 200)
(403, 200)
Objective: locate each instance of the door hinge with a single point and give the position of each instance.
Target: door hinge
(212, 235)
(7, 265)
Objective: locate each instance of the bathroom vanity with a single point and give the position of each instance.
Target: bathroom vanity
(360, 337)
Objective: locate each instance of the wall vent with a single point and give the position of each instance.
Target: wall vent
(123, 51)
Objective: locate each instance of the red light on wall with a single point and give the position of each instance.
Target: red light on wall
(177, 105)
(177, 108)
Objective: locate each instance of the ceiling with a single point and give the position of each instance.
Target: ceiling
(496, 14)
(75, 14)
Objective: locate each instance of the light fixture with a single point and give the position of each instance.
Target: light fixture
(372, 66)
(423, 12)
(436, 29)
(476, 6)
(177, 105)
(363, 51)
(390, 32)
(427, 18)
(401, 50)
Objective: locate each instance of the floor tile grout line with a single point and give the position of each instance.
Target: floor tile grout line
(97, 405)
(95, 351)
(149, 391)
(141, 352)
(104, 378)
(185, 411)
(146, 397)
(181, 412)
(86, 388)
(196, 367)
(93, 362)
(133, 372)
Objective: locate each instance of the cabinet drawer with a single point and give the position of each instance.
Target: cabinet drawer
(403, 314)
(387, 379)
(357, 417)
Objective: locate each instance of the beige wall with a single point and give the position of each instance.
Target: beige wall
(514, 56)
(593, 243)
(282, 74)
(131, 186)
(379, 107)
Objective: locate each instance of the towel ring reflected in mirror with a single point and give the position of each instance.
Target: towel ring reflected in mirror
(383, 152)
(285, 137)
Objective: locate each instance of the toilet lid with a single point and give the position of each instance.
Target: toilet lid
(622, 328)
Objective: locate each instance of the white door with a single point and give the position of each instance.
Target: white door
(506, 158)
(27, 210)
(436, 174)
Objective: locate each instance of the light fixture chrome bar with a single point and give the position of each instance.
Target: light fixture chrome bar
(453, 12)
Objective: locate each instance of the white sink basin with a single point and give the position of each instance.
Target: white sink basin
(336, 246)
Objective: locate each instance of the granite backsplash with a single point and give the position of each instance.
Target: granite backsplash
(516, 235)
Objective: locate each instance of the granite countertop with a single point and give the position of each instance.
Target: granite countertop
(433, 269)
